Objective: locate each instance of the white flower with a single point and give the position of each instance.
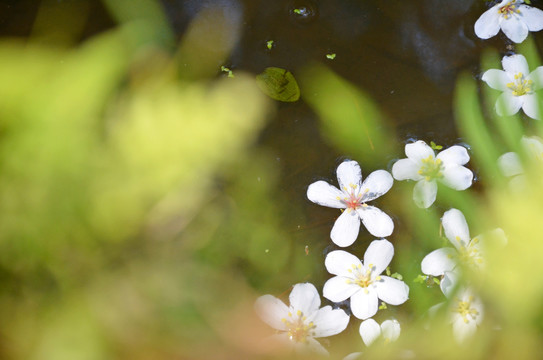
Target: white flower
(466, 251)
(302, 321)
(425, 168)
(370, 331)
(511, 166)
(513, 17)
(353, 196)
(466, 310)
(518, 86)
(362, 282)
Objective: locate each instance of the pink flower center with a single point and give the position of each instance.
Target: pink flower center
(508, 9)
(354, 198)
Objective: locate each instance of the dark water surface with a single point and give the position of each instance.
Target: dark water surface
(405, 53)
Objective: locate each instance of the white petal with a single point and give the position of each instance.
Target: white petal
(456, 227)
(515, 64)
(418, 150)
(448, 283)
(439, 261)
(391, 329)
(532, 17)
(379, 254)
(349, 173)
(337, 289)
(530, 106)
(353, 356)
(369, 331)
(330, 322)
(508, 104)
(457, 177)
(364, 304)
(324, 194)
(515, 29)
(314, 346)
(510, 165)
(346, 228)
(537, 77)
(376, 184)
(304, 297)
(339, 262)
(488, 24)
(424, 193)
(377, 222)
(455, 154)
(392, 291)
(462, 330)
(533, 146)
(497, 79)
(271, 310)
(406, 169)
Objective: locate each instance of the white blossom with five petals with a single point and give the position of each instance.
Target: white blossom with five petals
(519, 86)
(513, 17)
(511, 165)
(362, 282)
(352, 197)
(466, 310)
(301, 322)
(424, 167)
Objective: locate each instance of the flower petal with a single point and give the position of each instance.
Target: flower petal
(376, 222)
(346, 228)
(392, 291)
(537, 77)
(533, 146)
(532, 17)
(369, 331)
(406, 169)
(376, 184)
(508, 104)
(305, 297)
(337, 289)
(314, 346)
(271, 310)
(349, 173)
(488, 24)
(463, 330)
(353, 356)
(448, 283)
(530, 106)
(515, 64)
(456, 227)
(379, 254)
(510, 165)
(457, 177)
(364, 304)
(439, 261)
(418, 150)
(424, 193)
(339, 262)
(455, 154)
(514, 28)
(391, 330)
(324, 194)
(497, 79)
(330, 321)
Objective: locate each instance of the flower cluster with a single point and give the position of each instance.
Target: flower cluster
(364, 285)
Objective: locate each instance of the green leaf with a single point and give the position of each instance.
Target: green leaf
(279, 84)
(331, 56)
(435, 147)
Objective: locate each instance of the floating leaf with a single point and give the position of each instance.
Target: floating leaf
(279, 84)
(331, 56)
(269, 44)
(435, 146)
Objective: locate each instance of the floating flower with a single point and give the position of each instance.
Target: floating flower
(353, 196)
(363, 282)
(301, 322)
(518, 86)
(466, 310)
(370, 331)
(424, 167)
(466, 250)
(511, 165)
(514, 18)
